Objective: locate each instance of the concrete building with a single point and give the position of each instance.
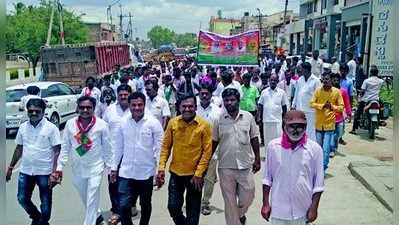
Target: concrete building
(223, 25)
(102, 32)
(322, 26)
(355, 15)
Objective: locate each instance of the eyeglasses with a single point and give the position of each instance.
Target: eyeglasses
(85, 107)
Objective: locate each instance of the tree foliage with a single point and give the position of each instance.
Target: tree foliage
(159, 35)
(26, 29)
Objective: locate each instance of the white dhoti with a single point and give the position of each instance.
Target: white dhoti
(89, 192)
(300, 221)
(271, 130)
(310, 126)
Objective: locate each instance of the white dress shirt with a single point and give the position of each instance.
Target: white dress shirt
(352, 69)
(138, 145)
(371, 87)
(272, 102)
(335, 67)
(93, 162)
(25, 99)
(304, 91)
(220, 88)
(317, 67)
(37, 147)
(158, 107)
(210, 113)
(95, 93)
(114, 114)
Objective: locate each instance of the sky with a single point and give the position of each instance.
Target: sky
(179, 15)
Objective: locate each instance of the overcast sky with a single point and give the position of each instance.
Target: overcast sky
(179, 15)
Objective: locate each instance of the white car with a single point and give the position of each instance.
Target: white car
(60, 99)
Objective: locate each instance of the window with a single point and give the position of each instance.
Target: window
(53, 91)
(315, 6)
(64, 90)
(336, 2)
(323, 4)
(15, 95)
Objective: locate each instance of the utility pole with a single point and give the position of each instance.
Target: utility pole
(120, 22)
(285, 10)
(50, 26)
(130, 27)
(62, 36)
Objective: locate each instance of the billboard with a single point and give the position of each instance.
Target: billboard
(382, 43)
(237, 50)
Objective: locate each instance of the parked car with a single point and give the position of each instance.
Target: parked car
(60, 99)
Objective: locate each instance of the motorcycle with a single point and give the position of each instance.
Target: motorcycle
(370, 118)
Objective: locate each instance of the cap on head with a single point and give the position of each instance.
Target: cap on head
(295, 116)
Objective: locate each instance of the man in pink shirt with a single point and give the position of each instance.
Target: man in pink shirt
(293, 178)
(340, 117)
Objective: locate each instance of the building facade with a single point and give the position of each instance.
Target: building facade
(223, 25)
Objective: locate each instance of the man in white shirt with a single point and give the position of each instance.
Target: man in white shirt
(370, 91)
(305, 87)
(33, 92)
(210, 112)
(227, 82)
(137, 146)
(91, 90)
(168, 91)
(38, 144)
(155, 104)
(317, 64)
(352, 67)
(334, 65)
(288, 86)
(113, 116)
(272, 108)
(86, 141)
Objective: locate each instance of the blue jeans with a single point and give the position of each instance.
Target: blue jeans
(338, 133)
(26, 184)
(324, 138)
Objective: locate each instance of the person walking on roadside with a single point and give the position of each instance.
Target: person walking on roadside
(190, 137)
(327, 101)
(113, 116)
(293, 178)
(210, 112)
(250, 95)
(316, 63)
(138, 139)
(90, 89)
(33, 92)
(38, 146)
(87, 142)
(155, 104)
(340, 117)
(304, 90)
(272, 106)
(237, 136)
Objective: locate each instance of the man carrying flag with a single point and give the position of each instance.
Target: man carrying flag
(86, 141)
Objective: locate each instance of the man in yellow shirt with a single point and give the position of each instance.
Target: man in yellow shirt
(326, 100)
(190, 137)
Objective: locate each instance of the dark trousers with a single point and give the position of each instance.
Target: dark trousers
(26, 184)
(177, 186)
(113, 195)
(129, 191)
(262, 137)
(358, 113)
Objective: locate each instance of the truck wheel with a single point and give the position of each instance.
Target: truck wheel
(55, 120)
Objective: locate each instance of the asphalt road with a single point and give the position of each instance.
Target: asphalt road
(345, 201)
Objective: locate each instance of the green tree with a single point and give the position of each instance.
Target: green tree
(159, 35)
(186, 40)
(26, 29)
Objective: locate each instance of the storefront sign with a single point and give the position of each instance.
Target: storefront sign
(382, 37)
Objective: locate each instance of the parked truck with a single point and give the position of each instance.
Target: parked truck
(72, 64)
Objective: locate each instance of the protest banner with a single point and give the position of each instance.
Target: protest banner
(236, 50)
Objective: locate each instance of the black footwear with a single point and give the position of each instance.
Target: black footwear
(352, 132)
(35, 222)
(243, 219)
(342, 142)
(99, 220)
(205, 210)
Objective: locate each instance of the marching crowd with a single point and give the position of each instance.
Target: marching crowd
(206, 125)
